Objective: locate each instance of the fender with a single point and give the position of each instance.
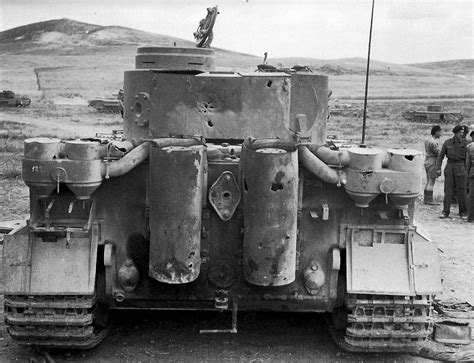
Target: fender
(394, 260)
(58, 263)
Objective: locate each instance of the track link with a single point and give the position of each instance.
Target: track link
(377, 323)
(65, 322)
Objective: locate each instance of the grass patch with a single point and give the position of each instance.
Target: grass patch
(10, 165)
(11, 154)
(11, 174)
(10, 148)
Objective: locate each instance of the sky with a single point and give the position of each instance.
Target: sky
(404, 31)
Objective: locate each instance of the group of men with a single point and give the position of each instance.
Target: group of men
(458, 173)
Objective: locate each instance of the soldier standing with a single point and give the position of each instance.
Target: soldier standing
(470, 175)
(432, 150)
(454, 198)
(455, 172)
(465, 131)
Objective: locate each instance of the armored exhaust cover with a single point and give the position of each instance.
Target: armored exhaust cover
(270, 185)
(175, 196)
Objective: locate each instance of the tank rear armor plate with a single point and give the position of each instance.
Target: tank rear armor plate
(64, 322)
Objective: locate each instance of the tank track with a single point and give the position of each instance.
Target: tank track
(65, 322)
(377, 323)
(109, 110)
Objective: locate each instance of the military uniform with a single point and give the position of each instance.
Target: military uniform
(470, 175)
(432, 150)
(454, 173)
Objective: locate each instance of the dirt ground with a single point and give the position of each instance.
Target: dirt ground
(156, 336)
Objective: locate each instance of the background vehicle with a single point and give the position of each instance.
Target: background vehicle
(107, 105)
(433, 113)
(9, 99)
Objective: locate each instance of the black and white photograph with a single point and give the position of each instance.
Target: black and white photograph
(236, 181)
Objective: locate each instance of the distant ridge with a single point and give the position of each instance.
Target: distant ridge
(355, 66)
(71, 32)
(31, 31)
(458, 66)
(70, 37)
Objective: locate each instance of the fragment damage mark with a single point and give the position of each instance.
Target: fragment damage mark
(252, 265)
(277, 183)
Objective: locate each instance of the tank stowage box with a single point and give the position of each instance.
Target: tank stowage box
(221, 195)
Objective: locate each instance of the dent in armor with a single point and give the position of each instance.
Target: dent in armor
(223, 95)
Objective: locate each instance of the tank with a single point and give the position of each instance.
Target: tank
(10, 99)
(107, 104)
(433, 114)
(220, 195)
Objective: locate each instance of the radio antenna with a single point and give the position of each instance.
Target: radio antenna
(362, 143)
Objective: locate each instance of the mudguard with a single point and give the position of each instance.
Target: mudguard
(64, 264)
(391, 260)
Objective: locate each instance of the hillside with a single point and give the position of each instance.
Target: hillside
(65, 31)
(66, 37)
(358, 66)
(458, 66)
(33, 32)
(70, 37)
(65, 57)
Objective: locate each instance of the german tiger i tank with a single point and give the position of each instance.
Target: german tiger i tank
(220, 196)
